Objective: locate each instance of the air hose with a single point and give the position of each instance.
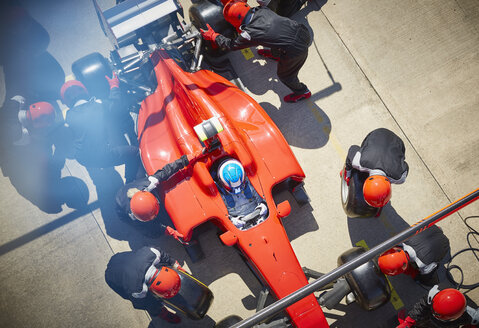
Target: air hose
(450, 267)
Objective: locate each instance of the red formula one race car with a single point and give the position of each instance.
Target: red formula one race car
(166, 130)
(184, 108)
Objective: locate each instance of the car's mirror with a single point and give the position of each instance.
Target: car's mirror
(284, 208)
(229, 238)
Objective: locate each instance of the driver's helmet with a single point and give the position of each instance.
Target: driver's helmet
(232, 176)
(144, 206)
(166, 283)
(393, 261)
(448, 304)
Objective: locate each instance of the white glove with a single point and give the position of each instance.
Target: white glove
(263, 209)
(153, 183)
(237, 222)
(263, 3)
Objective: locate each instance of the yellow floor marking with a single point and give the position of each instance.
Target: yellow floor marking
(247, 53)
(395, 299)
(362, 243)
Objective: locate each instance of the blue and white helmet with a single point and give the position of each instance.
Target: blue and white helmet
(232, 176)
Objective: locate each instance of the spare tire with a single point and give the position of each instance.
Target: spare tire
(194, 298)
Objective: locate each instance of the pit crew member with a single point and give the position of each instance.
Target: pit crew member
(89, 119)
(441, 308)
(36, 155)
(288, 40)
(418, 256)
(382, 155)
(145, 277)
(139, 199)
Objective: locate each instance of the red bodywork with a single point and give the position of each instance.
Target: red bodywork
(165, 129)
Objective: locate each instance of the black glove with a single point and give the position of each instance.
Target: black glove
(184, 160)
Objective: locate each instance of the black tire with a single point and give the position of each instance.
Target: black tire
(194, 298)
(228, 321)
(91, 70)
(210, 12)
(352, 197)
(368, 284)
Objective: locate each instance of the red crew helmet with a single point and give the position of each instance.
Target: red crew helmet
(41, 115)
(393, 261)
(72, 91)
(377, 190)
(166, 283)
(225, 2)
(449, 304)
(144, 206)
(235, 11)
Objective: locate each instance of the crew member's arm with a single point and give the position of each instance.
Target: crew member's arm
(167, 260)
(115, 93)
(242, 41)
(170, 169)
(349, 158)
(419, 312)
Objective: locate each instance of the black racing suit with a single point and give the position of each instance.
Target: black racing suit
(90, 122)
(123, 201)
(426, 250)
(125, 274)
(286, 8)
(287, 39)
(381, 151)
(422, 314)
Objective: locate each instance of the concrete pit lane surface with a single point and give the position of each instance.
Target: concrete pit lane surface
(408, 66)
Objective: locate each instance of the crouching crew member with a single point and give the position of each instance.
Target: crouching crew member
(441, 308)
(288, 40)
(90, 120)
(418, 256)
(145, 277)
(139, 199)
(382, 155)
